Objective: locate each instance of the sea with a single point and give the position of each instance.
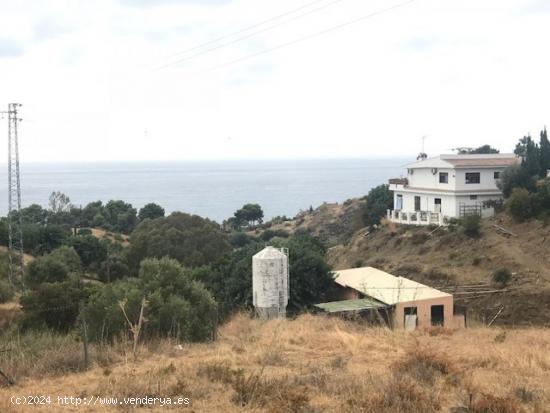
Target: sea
(211, 189)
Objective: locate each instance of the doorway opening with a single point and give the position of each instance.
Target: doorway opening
(438, 315)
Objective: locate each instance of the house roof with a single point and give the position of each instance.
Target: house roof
(350, 305)
(384, 287)
(467, 161)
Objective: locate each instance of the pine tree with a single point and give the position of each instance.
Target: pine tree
(529, 152)
(544, 148)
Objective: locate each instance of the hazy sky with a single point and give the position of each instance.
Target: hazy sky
(100, 80)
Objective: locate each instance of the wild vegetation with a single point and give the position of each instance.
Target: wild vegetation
(310, 364)
(180, 273)
(142, 283)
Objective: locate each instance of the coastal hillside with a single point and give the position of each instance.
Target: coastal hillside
(315, 364)
(447, 259)
(334, 223)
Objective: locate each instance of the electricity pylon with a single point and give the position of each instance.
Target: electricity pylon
(15, 230)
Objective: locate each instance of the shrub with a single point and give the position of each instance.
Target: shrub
(52, 305)
(502, 276)
(178, 306)
(398, 396)
(6, 291)
(419, 237)
(190, 239)
(476, 261)
(487, 403)
(471, 225)
(424, 364)
(46, 269)
(89, 249)
(520, 204)
(269, 234)
(84, 231)
(239, 239)
(379, 200)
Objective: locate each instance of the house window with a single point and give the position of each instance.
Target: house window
(496, 175)
(399, 202)
(417, 203)
(473, 197)
(472, 177)
(443, 177)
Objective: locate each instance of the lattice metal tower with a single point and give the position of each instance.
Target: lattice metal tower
(15, 230)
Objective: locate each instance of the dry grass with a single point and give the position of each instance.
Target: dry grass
(319, 364)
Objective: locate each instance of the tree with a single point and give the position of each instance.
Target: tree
(120, 216)
(34, 214)
(91, 250)
(67, 256)
(484, 149)
(379, 200)
(544, 147)
(46, 269)
(230, 279)
(515, 176)
(190, 239)
(56, 266)
(151, 211)
(59, 202)
(52, 305)
(93, 212)
(250, 213)
(528, 150)
(178, 306)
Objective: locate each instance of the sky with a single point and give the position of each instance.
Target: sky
(165, 79)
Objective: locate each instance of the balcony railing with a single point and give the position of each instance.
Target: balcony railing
(416, 218)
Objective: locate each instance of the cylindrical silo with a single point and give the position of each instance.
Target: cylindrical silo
(270, 286)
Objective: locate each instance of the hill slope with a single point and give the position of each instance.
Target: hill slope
(464, 265)
(319, 364)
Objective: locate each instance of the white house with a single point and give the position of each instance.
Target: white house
(448, 186)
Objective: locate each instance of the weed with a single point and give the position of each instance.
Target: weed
(487, 403)
(423, 364)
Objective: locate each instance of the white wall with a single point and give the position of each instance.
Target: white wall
(487, 180)
(424, 178)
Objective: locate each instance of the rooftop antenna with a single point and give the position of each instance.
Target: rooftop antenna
(422, 155)
(15, 231)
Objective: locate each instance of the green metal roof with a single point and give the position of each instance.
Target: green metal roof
(350, 305)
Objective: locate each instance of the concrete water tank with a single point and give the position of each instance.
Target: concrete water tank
(270, 286)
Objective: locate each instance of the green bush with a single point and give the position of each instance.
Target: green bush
(178, 306)
(52, 305)
(502, 276)
(190, 239)
(379, 200)
(270, 233)
(6, 291)
(520, 204)
(46, 270)
(84, 231)
(239, 239)
(471, 225)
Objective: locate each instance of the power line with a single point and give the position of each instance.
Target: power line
(245, 29)
(313, 35)
(220, 46)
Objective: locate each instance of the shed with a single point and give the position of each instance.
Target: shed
(413, 304)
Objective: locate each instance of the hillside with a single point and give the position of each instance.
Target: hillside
(333, 223)
(445, 259)
(318, 364)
